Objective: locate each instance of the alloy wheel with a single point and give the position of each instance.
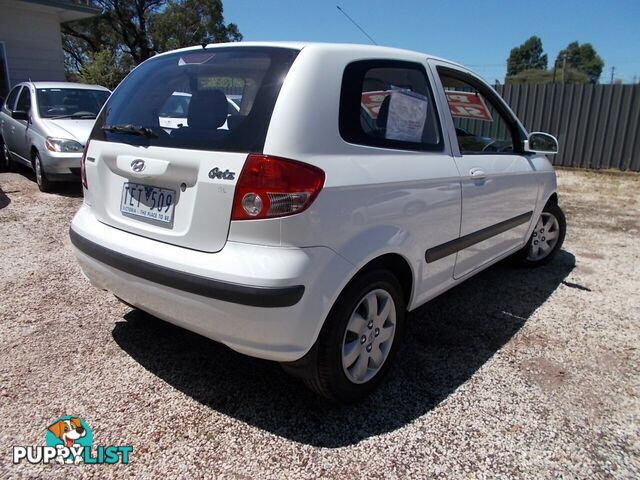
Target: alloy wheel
(544, 237)
(369, 336)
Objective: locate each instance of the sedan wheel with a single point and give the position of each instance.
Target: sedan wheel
(41, 177)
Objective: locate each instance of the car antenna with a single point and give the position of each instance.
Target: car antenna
(354, 22)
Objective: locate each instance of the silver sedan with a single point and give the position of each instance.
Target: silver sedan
(45, 125)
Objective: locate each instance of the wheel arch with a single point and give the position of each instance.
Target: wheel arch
(398, 265)
(32, 153)
(394, 262)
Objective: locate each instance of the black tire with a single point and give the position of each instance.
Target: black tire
(325, 374)
(6, 164)
(41, 177)
(523, 256)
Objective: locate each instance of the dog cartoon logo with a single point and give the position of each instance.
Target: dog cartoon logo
(69, 440)
(69, 435)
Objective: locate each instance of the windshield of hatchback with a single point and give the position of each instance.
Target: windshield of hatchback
(207, 99)
(70, 102)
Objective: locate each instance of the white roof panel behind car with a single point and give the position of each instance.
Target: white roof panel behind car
(82, 86)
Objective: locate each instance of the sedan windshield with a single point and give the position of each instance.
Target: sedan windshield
(70, 102)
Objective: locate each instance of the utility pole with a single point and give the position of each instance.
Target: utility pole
(564, 64)
(613, 69)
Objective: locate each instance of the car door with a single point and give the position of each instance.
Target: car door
(499, 183)
(8, 124)
(412, 185)
(22, 144)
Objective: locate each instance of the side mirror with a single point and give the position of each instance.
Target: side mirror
(540, 142)
(20, 115)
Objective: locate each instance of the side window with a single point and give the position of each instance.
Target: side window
(388, 104)
(24, 100)
(11, 99)
(480, 126)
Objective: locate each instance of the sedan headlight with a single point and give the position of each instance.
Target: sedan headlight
(63, 145)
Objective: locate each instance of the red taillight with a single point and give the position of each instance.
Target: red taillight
(83, 170)
(271, 187)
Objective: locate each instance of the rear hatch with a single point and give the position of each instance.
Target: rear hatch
(176, 183)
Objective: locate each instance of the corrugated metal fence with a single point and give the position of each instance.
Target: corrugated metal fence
(597, 126)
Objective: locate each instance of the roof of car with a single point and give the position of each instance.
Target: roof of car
(377, 50)
(81, 86)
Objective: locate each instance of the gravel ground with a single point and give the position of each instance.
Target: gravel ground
(516, 373)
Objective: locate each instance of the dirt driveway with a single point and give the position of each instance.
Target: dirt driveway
(516, 373)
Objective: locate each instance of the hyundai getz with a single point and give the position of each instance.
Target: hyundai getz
(353, 184)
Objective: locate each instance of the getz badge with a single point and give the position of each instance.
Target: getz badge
(226, 175)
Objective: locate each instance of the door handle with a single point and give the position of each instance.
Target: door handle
(477, 173)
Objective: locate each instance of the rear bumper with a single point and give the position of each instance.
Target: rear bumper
(267, 302)
(267, 297)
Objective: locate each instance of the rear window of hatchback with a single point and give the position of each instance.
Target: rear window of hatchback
(208, 80)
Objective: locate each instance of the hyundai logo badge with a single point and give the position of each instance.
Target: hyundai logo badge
(137, 165)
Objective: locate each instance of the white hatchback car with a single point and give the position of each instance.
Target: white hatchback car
(354, 184)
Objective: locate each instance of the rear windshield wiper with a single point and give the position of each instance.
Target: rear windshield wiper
(74, 115)
(131, 129)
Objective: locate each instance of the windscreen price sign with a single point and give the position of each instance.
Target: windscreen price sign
(468, 105)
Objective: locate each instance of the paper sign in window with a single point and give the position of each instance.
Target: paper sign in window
(407, 116)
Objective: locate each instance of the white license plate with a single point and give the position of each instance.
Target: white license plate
(152, 204)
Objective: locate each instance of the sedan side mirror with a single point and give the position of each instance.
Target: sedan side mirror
(20, 115)
(540, 142)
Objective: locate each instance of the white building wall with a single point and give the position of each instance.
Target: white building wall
(32, 41)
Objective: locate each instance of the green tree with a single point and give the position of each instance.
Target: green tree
(582, 58)
(546, 76)
(527, 56)
(134, 30)
(102, 68)
(191, 22)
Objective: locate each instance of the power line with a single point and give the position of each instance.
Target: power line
(354, 22)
